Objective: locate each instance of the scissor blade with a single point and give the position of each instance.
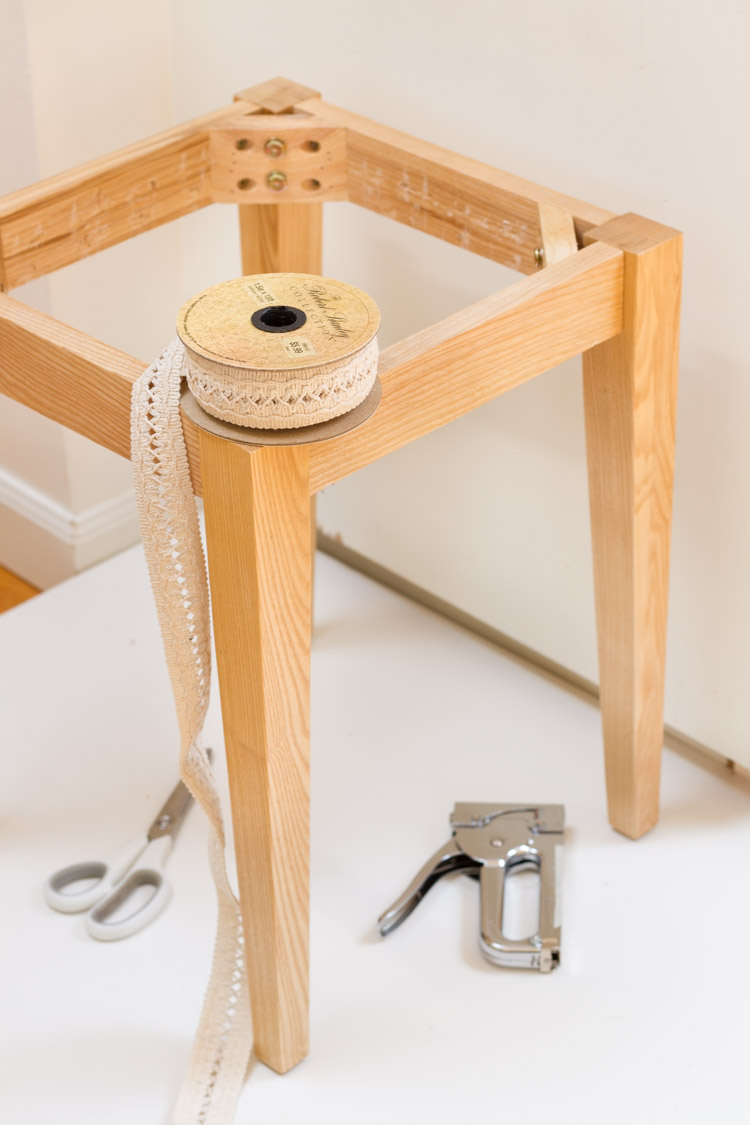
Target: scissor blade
(171, 814)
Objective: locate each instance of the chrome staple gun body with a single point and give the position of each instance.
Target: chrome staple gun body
(488, 841)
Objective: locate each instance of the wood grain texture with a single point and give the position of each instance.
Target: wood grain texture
(281, 238)
(74, 379)
(472, 205)
(13, 590)
(95, 205)
(475, 355)
(428, 379)
(66, 375)
(558, 234)
(313, 160)
(630, 392)
(284, 238)
(277, 95)
(258, 543)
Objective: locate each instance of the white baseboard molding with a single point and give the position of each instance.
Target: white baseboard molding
(44, 543)
(586, 689)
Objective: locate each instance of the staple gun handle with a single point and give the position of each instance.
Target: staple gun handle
(446, 859)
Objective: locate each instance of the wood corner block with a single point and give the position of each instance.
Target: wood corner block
(309, 161)
(631, 233)
(277, 95)
(557, 232)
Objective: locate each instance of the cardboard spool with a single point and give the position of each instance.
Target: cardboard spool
(278, 353)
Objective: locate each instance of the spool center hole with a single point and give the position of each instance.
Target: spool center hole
(278, 318)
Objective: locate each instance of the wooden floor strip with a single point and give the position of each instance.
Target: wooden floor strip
(13, 590)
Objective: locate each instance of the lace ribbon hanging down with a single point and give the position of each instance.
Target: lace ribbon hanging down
(177, 568)
(338, 332)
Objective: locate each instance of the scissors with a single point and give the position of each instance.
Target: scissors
(140, 864)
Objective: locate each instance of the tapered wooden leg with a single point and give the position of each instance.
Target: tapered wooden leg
(283, 238)
(257, 510)
(630, 390)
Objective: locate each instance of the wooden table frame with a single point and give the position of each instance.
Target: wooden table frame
(603, 285)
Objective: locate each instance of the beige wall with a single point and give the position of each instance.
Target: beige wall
(85, 78)
(110, 86)
(21, 432)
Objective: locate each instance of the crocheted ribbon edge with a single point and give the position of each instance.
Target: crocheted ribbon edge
(262, 400)
(177, 569)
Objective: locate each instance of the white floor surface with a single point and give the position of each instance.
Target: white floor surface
(644, 1021)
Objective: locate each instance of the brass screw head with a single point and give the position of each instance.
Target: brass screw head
(276, 181)
(274, 147)
(539, 255)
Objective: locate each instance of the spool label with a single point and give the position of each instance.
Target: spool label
(296, 346)
(217, 323)
(262, 294)
(324, 307)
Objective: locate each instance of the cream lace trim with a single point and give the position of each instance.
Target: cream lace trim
(263, 400)
(174, 554)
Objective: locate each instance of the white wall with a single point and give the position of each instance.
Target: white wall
(31, 448)
(635, 107)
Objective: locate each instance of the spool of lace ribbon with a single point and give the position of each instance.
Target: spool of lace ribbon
(276, 351)
(280, 351)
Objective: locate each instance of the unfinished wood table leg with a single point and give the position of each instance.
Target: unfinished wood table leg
(630, 391)
(283, 238)
(258, 543)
